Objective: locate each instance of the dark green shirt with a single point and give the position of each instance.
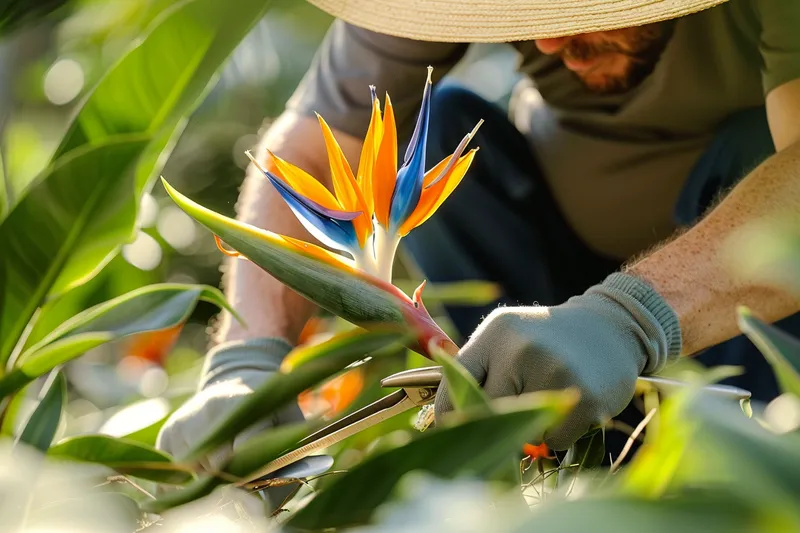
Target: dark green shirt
(615, 163)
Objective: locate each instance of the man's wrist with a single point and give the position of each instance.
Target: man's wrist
(658, 321)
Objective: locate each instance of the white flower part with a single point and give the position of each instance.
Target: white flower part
(385, 250)
(425, 417)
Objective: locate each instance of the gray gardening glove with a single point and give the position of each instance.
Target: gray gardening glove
(599, 342)
(231, 372)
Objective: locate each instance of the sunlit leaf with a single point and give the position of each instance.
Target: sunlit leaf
(445, 452)
(126, 457)
(4, 187)
(42, 425)
(18, 14)
(699, 512)
(456, 293)
(152, 90)
(254, 453)
(340, 289)
(464, 391)
(150, 308)
(48, 226)
(321, 362)
(781, 349)
(586, 453)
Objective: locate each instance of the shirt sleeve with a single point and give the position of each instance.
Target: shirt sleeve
(779, 41)
(350, 59)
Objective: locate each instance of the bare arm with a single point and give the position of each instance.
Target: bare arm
(693, 271)
(270, 308)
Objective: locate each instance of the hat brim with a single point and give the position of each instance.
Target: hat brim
(504, 20)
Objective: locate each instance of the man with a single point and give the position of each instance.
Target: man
(646, 135)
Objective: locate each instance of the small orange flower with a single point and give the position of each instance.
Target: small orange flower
(334, 396)
(537, 452)
(153, 346)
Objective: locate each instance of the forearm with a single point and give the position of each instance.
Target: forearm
(269, 307)
(694, 271)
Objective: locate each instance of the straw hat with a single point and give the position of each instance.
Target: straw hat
(504, 20)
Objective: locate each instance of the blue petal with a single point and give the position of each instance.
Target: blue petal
(332, 228)
(408, 187)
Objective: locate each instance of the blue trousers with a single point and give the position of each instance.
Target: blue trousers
(502, 223)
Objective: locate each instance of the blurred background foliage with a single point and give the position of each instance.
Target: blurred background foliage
(48, 64)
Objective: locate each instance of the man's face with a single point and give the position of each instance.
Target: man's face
(611, 61)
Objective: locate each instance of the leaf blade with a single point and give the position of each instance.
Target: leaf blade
(447, 452)
(780, 349)
(150, 308)
(44, 229)
(124, 456)
(43, 423)
(336, 355)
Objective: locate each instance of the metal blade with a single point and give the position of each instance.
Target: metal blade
(431, 376)
(397, 402)
(668, 385)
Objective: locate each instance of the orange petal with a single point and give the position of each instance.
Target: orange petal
(369, 152)
(540, 451)
(432, 198)
(304, 183)
(344, 184)
(385, 173)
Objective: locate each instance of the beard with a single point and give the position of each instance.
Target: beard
(636, 52)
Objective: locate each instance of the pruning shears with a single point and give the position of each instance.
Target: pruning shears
(417, 388)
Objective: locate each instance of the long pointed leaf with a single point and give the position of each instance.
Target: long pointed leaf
(43, 423)
(252, 455)
(464, 391)
(150, 308)
(342, 290)
(447, 452)
(324, 360)
(152, 89)
(126, 457)
(779, 348)
(47, 227)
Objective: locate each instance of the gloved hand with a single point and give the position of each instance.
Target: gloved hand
(599, 342)
(231, 371)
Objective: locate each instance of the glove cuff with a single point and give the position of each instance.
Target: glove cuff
(658, 320)
(235, 359)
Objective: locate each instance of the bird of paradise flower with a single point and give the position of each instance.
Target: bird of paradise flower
(373, 209)
(363, 221)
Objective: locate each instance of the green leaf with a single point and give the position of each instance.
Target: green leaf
(321, 361)
(126, 457)
(587, 453)
(5, 198)
(345, 292)
(709, 513)
(455, 293)
(18, 14)
(48, 226)
(251, 455)
(153, 89)
(149, 308)
(781, 349)
(464, 390)
(43, 423)
(475, 447)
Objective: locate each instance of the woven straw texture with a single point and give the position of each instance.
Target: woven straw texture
(504, 20)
